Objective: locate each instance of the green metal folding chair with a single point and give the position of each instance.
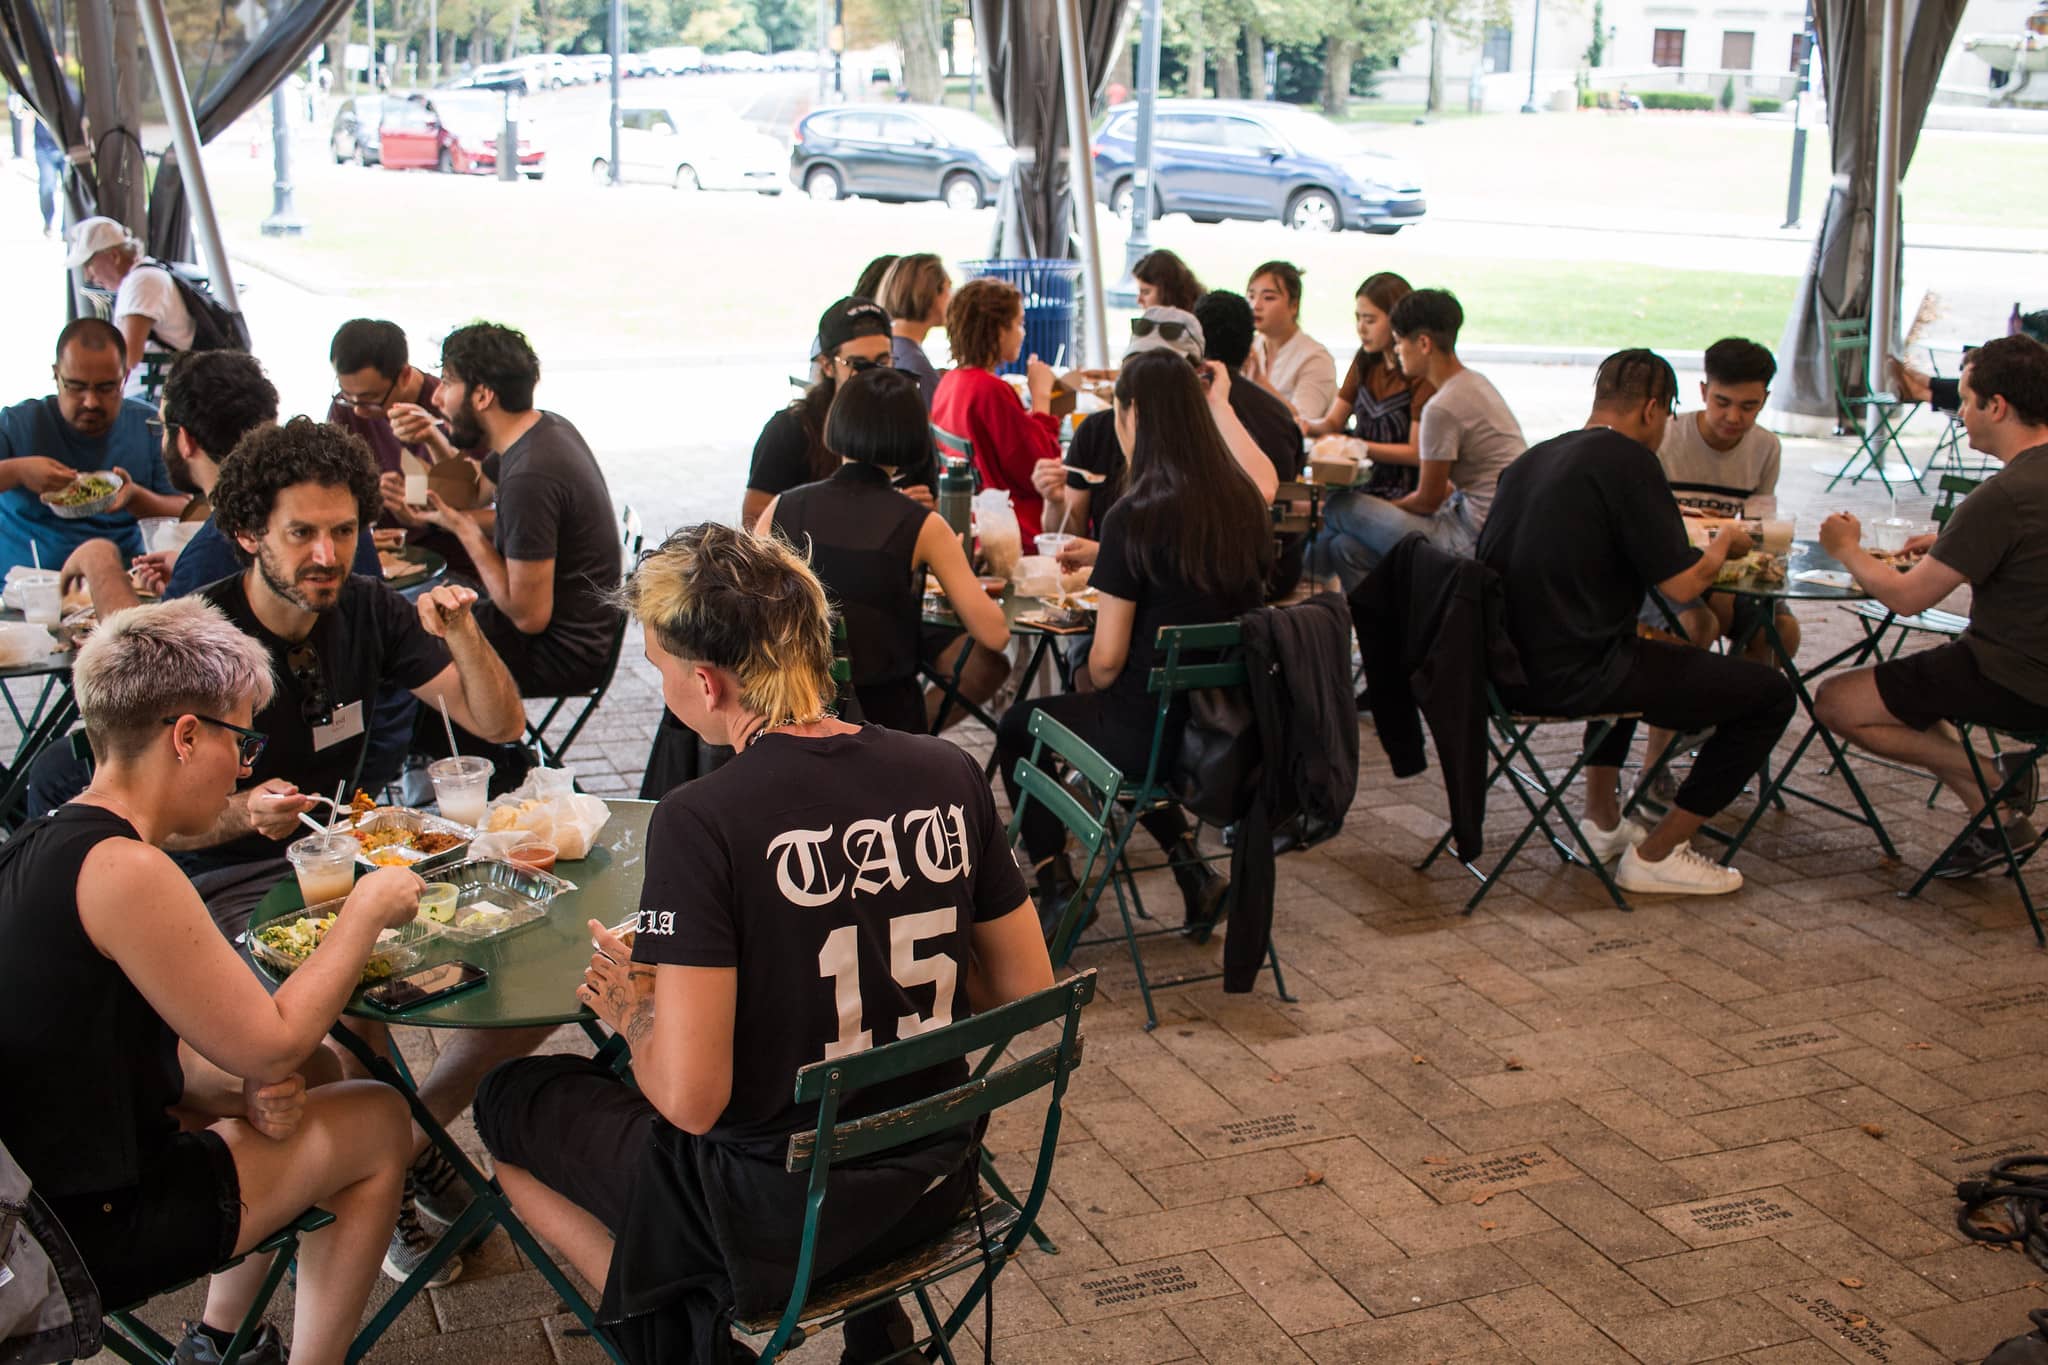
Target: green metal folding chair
(133, 1340)
(1508, 741)
(988, 1233)
(2033, 745)
(1102, 783)
(957, 446)
(1875, 419)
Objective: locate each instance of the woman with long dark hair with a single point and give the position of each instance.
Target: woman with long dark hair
(870, 546)
(853, 335)
(1164, 281)
(1189, 542)
(1377, 403)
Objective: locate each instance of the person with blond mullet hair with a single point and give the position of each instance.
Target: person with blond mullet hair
(779, 890)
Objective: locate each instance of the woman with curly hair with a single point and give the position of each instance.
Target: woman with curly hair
(986, 326)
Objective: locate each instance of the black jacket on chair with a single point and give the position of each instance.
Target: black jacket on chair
(1298, 671)
(1432, 631)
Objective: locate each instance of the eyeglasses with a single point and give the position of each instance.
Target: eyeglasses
(248, 743)
(316, 705)
(355, 404)
(1168, 331)
(861, 363)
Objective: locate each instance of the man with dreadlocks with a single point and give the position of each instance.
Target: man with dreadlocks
(1582, 526)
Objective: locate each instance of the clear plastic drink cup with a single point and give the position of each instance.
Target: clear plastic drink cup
(462, 787)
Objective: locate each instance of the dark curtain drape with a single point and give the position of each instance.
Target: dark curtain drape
(283, 44)
(1020, 50)
(1839, 274)
(29, 65)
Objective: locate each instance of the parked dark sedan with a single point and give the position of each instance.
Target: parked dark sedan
(354, 135)
(899, 152)
(1216, 159)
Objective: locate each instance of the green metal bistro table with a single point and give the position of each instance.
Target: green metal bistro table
(1756, 614)
(42, 723)
(1014, 604)
(534, 973)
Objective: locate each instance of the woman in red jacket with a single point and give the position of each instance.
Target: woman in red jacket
(985, 327)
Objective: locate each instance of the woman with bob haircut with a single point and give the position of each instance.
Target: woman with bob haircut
(154, 1089)
(916, 293)
(985, 324)
(1189, 542)
(779, 891)
(870, 546)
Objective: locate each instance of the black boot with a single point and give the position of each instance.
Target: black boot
(1202, 887)
(1054, 886)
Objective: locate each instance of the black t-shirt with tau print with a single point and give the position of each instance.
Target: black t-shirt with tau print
(1581, 527)
(842, 877)
(370, 638)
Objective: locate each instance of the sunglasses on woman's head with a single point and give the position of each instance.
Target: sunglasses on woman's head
(1168, 331)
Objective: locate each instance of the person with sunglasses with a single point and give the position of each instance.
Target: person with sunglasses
(85, 427)
(854, 335)
(157, 1093)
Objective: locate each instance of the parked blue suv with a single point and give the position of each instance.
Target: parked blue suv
(1216, 159)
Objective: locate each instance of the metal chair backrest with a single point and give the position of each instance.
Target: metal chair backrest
(958, 446)
(632, 539)
(1297, 509)
(828, 1084)
(1176, 675)
(1953, 489)
(1089, 829)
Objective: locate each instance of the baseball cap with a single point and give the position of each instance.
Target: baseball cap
(1166, 329)
(851, 317)
(91, 236)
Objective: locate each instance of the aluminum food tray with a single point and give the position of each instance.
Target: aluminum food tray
(514, 897)
(392, 955)
(419, 822)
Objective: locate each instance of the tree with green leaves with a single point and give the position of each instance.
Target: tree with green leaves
(1451, 20)
(1371, 33)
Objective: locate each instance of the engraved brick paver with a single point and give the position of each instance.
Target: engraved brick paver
(1550, 1131)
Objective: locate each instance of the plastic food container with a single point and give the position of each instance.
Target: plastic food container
(494, 898)
(105, 481)
(412, 823)
(286, 942)
(537, 855)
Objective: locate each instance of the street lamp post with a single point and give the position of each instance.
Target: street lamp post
(618, 36)
(1797, 185)
(1535, 32)
(1125, 292)
(283, 220)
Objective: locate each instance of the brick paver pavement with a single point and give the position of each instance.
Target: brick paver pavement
(1549, 1131)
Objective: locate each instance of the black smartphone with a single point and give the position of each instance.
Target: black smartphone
(428, 983)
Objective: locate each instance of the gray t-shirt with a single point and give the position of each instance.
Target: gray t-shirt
(908, 355)
(553, 504)
(1742, 482)
(1998, 539)
(1467, 425)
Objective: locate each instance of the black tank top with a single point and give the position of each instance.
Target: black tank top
(863, 537)
(89, 1069)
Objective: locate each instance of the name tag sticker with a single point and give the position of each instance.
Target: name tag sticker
(347, 724)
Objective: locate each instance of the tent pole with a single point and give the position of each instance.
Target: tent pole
(1073, 76)
(170, 83)
(1884, 236)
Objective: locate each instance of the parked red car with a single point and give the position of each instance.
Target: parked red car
(453, 130)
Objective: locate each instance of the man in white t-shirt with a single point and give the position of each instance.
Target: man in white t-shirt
(148, 309)
(1467, 437)
(1721, 464)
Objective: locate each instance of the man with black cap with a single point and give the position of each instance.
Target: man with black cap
(853, 335)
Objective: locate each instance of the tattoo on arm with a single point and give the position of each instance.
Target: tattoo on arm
(640, 1023)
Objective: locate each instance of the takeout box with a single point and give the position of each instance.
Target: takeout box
(1337, 461)
(397, 950)
(494, 898)
(412, 822)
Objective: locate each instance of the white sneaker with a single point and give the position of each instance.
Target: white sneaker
(1684, 873)
(1609, 844)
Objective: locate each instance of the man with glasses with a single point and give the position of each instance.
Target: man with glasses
(85, 427)
(1582, 526)
(381, 397)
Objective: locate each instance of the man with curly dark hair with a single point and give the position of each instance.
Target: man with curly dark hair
(548, 553)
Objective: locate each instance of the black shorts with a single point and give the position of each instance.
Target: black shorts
(572, 1124)
(1944, 683)
(177, 1223)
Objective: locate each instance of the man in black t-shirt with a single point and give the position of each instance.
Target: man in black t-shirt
(832, 888)
(1227, 335)
(548, 557)
(1581, 527)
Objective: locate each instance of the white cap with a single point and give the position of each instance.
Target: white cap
(91, 236)
(1147, 333)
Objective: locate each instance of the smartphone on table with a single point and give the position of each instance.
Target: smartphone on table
(426, 984)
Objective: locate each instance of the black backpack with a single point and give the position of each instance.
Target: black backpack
(214, 326)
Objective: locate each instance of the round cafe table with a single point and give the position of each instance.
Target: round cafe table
(534, 972)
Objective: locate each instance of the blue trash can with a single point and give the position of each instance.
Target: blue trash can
(1050, 307)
